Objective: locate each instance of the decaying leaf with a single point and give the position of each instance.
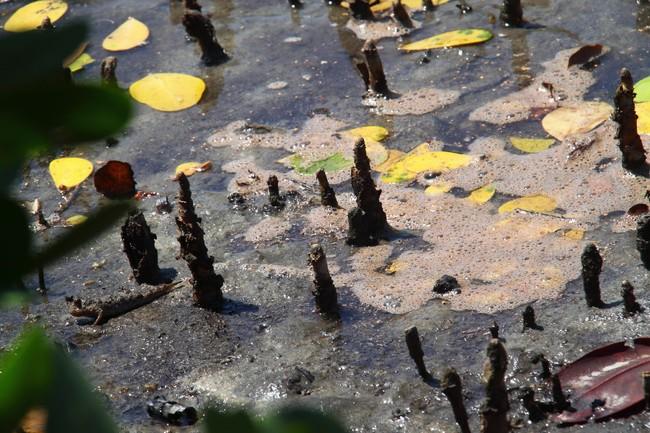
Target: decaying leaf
(438, 188)
(70, 172)
(482, 195)
(168, 91)
(76, 220)
(81, 61)
(374, 133)
(189, 168)
(533, 203)
(576, 119)
(422, 159)
(130, 34)
(115, 180)
(584, 54)
(454, 38)
(32, 15)
(611, 375)
(531, 145)
(574, 234)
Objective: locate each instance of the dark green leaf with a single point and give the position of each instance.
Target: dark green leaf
(228, 422)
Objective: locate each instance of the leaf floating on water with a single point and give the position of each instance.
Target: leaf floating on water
(423, 159)
(130, 34)
(332, 163)
(168, 91)
(393, 156)
(482, 195)
(438, 188)
(533, 203)
(81, 61)
(374, 133)
(70, 172)
(643, 113)
(578, 119)
(584, 54)
(454, 38)
(30, 16)
(531, 145)
(76, 220)
(411, 4)
(115, 180)
(189, 168)
(611, 374)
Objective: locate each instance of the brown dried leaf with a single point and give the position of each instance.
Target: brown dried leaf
(585, 54)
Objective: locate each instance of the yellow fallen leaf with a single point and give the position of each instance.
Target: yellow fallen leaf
(76, 220)
(575, 234)
(130, 34)
(411, 4)
(423, 159)
(81, 61)
(375, 133)
(531, 145)
(454, 38)
(32, 15)
(393, 267)
(168, 91)
(482, 195)
(377, 152)
(532, 203)
(643, 122)
(393, 155)
(438, 188)
(70, 172)
(577, 119)
(189, 168)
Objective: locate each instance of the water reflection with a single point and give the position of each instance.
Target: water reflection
(643, 16)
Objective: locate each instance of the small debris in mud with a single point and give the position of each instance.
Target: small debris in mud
(511, 13)
(628, 138)
(171, 412)
(446, 284)
(139, 246)
(163, 206)
(414, 346)
(494, 330)
(495, 407)
(300, 381)
(453, 389)
(199, 26)
(367, 221)
(206, 284)
(192, 5)
(464, 7)
(295, 4)
(585, 55)
(528, 318)
(630, 305)
(324, 290)
(277, 85)
(592, 264)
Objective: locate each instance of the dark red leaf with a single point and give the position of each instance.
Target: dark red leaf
(638, 209)
(611, 374)
(585, 54)
(115, 180)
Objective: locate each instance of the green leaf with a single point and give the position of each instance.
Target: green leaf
(32, 57)
(95, 225)
(228, 422)
(642, 90)
(334, 162)
(25, 377)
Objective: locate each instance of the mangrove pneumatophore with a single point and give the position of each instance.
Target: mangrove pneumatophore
(206, 284)
(592, 264)
(559, 399)
(495, 407)
(107, 68)
(401, 15)
(198, 26)
(512, 14)
(414, 346)
(327, 194)
(627, 135)
(453, 389)
(630, 305)
(643, 239)
(275, 199)
(361, 10)
(375, 70)
(535, 412)
(367, 221)
(324, 290)
(528, 319)
(139, 246)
